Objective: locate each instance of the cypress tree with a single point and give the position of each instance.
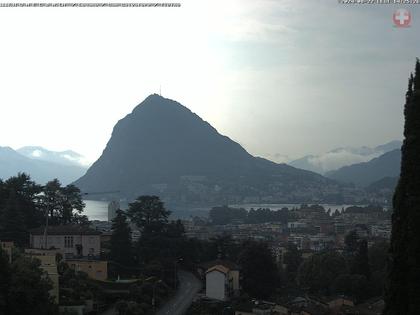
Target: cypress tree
(402, 292)
(12, 222)
(361, 260)
(121, 249)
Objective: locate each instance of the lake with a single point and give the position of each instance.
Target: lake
(98, 210)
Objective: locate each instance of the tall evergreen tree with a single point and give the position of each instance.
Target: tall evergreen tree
(360, 264)
(149, 214)
(12, 222)
(351, 243)
(292, 259)
(259, 270)
(4, 280)
(121, 249)
(403, 287)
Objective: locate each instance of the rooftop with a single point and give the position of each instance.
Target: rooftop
(65, 230)
(226, 263)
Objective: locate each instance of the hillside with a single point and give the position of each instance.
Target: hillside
(340, 157)
(163, 148)
(364, 174)
(12, 162)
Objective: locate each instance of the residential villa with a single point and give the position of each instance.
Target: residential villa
(79, 246)
(72, 240)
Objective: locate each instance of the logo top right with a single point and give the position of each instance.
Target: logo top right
(402, 18)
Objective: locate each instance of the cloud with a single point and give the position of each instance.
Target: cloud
(336, 159)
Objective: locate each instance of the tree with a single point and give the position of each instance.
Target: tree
(25, 288)
(121, 247)
(259, 270)
(351, 242)
(148, 213)
(19, 208)
(64, 205)
(4, 280)
(403, 287)
(72, 205)
(355, 286)
(225, 215)
(12, 222)
(378, 256)
(129, 308)
(360, 264)
(319, 272)
(224, 247)
(292, 259)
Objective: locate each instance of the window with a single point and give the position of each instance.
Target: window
(68, 241)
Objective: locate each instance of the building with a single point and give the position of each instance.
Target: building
(95, 269)
(222, 280)
(7, 247)
(113, 206)
(72, 240)
(49, 265)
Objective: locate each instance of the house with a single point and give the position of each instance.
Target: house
(49, 265)
(222, 280)
(7, 247)
(95, 269)
(72, 240)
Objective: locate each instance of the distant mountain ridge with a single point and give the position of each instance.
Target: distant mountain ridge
(367, 173)
(67, 157)
(12, 162)
(164, 148)
(340, 157)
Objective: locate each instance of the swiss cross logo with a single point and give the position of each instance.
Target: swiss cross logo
(402, 18)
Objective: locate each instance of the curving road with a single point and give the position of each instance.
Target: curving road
(189, 286)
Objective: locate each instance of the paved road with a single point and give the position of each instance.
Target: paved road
(189, 286)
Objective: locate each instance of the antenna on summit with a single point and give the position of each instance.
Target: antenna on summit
(160, 90)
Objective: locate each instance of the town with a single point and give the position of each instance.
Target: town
(139, 260)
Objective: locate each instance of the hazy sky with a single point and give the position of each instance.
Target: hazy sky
(279, 77)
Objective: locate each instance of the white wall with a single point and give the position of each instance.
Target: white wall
(215, 285)
(88, 242)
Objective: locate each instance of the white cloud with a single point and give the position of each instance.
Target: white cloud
(334, 160)
(37, 153)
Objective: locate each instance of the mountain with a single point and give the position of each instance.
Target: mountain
(163, 148)
(67, 157)
(341, 157)
(12, 162)
(364, 174)
(383, 184)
